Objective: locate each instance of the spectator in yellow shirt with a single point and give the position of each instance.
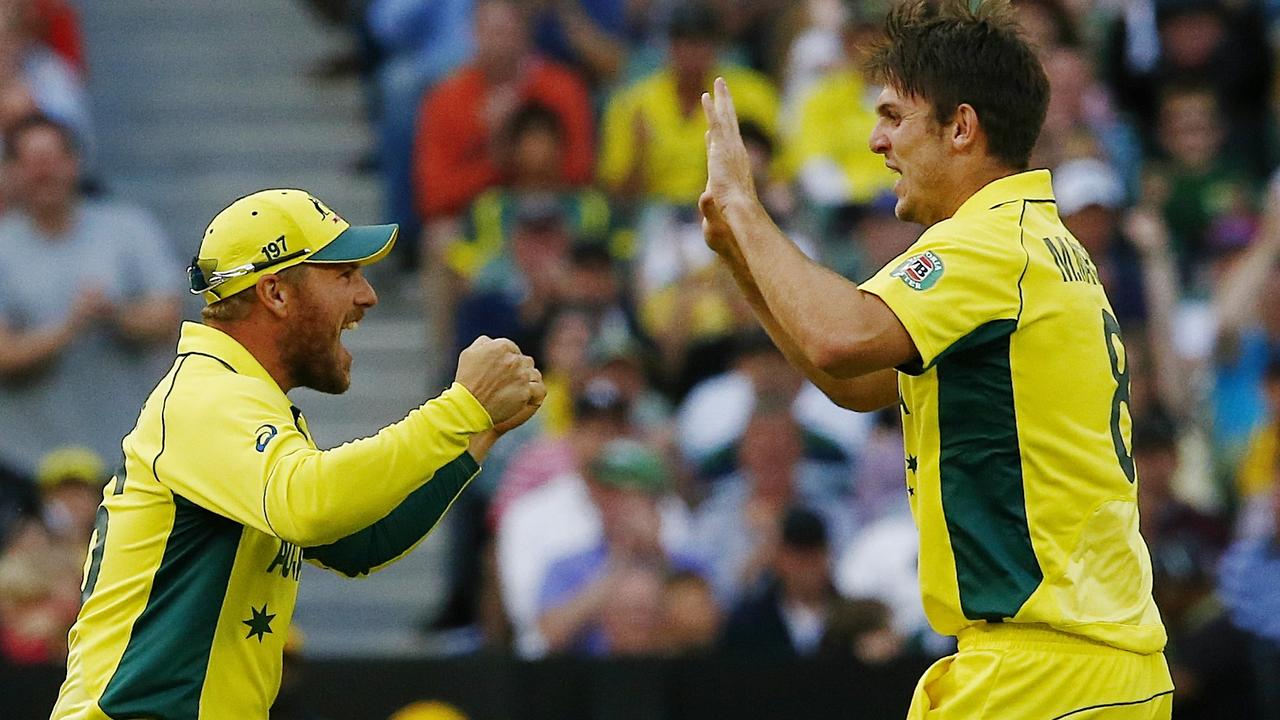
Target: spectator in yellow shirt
(827, 150)
(652, 138)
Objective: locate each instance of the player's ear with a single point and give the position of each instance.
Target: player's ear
(965, 127)
(276, 294)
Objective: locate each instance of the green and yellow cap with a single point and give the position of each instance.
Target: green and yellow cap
(630, 465)
(71, 463)
(271, 230)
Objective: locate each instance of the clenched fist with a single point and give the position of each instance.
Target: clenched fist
(502, 378)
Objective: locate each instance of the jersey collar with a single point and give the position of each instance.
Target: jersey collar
(204, 340)
(1030, 185)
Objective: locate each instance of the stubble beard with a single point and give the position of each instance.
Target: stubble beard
(313, 353)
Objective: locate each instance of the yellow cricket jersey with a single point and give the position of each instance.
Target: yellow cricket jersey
(193, 566)
(675, 158)
(1016, 424)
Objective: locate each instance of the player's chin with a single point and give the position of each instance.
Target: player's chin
(339, 383)
(339, 372)
(902, 210)
(905, 208)
(344, 363)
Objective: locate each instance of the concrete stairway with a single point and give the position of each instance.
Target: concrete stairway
(200, 101)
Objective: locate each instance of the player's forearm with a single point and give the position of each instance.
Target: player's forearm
(864, 393)
(480, 445)
(314, 498)
(395, 535)
(820, 311)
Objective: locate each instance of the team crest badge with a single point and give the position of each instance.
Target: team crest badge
(920, 272)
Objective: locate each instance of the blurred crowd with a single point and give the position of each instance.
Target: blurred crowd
(684, 490)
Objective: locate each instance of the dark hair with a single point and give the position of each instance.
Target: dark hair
(752, 341)
(693, 20)
(951, 54)
(1271, 372)
(601, 398)
(686, 577)
(1167, 10)
(1186, 87)
(1155, 432)
(589, 255)
(534, 116)
(803, 529)
(1064, 28)
(35, 121)
(753, 132)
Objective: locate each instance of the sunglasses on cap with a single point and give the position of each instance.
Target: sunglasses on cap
(204, 278)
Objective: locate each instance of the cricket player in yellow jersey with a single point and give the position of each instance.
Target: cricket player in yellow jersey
(193, 566)
(994, 337)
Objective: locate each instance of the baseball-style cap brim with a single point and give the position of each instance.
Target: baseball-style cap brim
(362, 244)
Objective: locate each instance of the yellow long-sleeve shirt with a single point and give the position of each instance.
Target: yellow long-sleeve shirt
(193, 567)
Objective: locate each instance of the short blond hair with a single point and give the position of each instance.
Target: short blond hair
(236, 307)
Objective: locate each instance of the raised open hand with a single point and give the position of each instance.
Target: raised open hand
(728, 167)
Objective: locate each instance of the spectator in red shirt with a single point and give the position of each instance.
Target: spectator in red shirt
(459, 140)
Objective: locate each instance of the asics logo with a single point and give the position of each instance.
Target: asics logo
(265, 433)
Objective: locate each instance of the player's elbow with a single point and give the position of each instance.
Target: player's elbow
(307, 530)
(350, 564)
(857, 349)
(341, 566)
(857, 402)
(828, 358)
(840, 357)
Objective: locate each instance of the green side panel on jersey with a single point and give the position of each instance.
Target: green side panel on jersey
(161, 673)
(981, 477)
(981, 335)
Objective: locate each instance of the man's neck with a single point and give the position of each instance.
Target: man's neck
(501, 73)
(261, 344)
(549, 181)
(53, 221)
(689, 93)
(797, 598)
(969, 183)
(774, 493)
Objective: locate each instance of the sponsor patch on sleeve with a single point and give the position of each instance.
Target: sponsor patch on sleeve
(920, 271)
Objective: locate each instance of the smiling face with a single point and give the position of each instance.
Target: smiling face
(329, 299)
(915, 146)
